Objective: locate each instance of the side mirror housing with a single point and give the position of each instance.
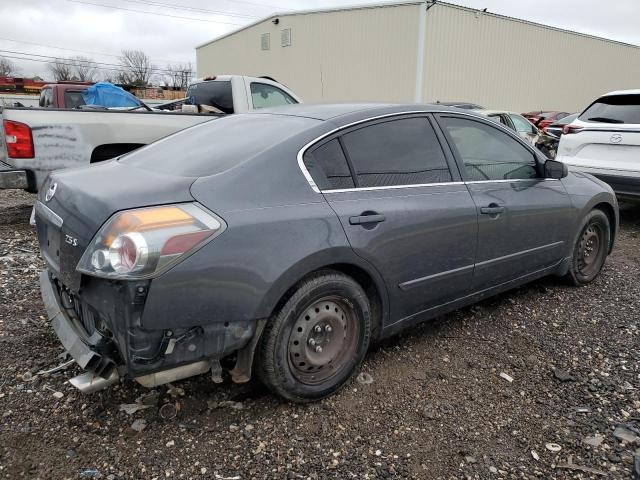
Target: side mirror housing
(555, 169)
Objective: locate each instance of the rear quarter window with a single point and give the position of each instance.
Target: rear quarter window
(614, 109)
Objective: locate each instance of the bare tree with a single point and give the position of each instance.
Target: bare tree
(136, 66)
(7, 68)
(179, 76)
(61, 69)
(83, 69)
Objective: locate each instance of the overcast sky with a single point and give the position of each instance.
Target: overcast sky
(64, 28)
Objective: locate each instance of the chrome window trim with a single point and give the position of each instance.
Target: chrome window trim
(388, 187)
(310, 144)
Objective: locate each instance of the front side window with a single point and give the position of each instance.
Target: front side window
(488, 153)
(397, 152)
(328, 166)
(264, 96)
(521, 124)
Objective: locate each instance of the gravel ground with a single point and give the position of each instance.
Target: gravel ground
(541, 382)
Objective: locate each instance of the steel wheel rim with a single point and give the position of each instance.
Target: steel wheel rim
(322, 341)
(590, 249)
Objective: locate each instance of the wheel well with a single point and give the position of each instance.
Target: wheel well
(362, 277)
(610, 213)
(112, 150)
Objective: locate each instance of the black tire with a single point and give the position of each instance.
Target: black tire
(590, 249)
(288, 363)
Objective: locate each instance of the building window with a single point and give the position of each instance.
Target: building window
(265, 41)
(285, 37)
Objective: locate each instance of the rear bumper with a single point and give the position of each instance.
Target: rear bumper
(85, 350)
(13, 179)
(625, 184)
(625, 187)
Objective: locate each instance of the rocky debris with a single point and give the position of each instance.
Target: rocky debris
(457, 421)
(364, 378)
(552, 447)
(626, 434)
(507, 377)
(139, 425)
(563, 375)
(594, 441)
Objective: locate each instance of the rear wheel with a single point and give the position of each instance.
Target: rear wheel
(591, 248)
(317, 340)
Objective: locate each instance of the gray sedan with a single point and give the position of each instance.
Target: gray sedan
(284, 243)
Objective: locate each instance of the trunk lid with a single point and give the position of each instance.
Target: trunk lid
(74, 204)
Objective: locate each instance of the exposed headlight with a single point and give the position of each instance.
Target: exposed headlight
(144, 242)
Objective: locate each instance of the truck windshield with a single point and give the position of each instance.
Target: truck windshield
(614, 109)
(217, 145)
(215, 93)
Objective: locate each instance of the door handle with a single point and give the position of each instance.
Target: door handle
(492, 209)
(366, 219)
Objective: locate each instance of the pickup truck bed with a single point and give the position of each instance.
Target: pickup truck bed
(70, 138)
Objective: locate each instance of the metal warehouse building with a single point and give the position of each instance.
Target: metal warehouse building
(424, 52)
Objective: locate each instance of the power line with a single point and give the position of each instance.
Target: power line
(70, 62)
(155, 13)
(192, 9)
(81, 51)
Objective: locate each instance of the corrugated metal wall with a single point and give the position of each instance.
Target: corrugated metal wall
(350, 55)
(510, 64)
(369, 54)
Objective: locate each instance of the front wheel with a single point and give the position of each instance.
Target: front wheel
(591, 248)
(317, 340)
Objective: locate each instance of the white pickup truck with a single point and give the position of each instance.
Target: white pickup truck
(35, 141)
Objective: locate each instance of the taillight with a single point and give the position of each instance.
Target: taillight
(569, 129)
(144, 242)
(18, 139)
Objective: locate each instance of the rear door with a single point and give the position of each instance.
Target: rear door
(523, 219)
(403, 208)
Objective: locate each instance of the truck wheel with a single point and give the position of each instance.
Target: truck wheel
(317, 340)
(591, 248)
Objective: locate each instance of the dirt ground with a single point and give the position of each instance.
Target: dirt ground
(542, 382)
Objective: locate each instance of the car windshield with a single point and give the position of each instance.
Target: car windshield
(614, 109)
(216, 145)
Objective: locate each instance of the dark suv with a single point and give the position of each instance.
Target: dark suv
(286, 242)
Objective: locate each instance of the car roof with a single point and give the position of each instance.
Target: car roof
(345, 111)
(495, 112)
(622, 92)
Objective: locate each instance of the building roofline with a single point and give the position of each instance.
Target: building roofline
(397, 3)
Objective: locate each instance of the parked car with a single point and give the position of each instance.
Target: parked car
(62, 95)
(605, 141)
(462, 105)
(556, 128)
(525, 129)
(40, 140)
(542, 119)
(301, 235)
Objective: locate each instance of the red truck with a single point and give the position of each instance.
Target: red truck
(63, 95)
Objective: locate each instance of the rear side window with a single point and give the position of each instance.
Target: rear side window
(214, 93)
(397, 152)
(328, 166)
(46, 98)
(522, 124)
(614, 109)
(488, 153)
(264, 95)
(73, 99)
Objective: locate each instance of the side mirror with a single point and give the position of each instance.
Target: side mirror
(555, 169)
